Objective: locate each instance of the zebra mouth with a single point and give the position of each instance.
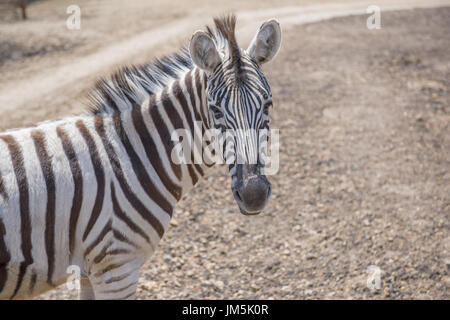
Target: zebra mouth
(246, 213)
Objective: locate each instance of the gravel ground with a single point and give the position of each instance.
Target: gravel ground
(364, 178)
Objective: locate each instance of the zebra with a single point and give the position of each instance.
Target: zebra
(98, 190)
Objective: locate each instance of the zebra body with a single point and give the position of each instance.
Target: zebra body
(98, 190)
(83, 200)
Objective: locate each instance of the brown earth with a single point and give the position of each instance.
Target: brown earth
(364, 177)
(47, 69)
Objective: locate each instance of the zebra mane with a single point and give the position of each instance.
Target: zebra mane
(131, 85)
(226, 27)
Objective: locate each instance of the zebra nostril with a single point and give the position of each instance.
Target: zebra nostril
(237, 195)
(252, 197)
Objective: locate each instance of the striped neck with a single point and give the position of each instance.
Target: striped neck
(182, 104)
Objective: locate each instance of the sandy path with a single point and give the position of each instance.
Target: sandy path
(19, 94)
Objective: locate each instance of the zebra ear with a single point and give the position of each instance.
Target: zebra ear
(203, 51)
(266, 43)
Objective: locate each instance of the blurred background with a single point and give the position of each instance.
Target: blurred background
(363, 189)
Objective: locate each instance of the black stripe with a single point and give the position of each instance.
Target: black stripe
(119, 251)
(139, 169)
(152, 153)
(117, 168)
(99, 174)
(119, 290)
(99, 257)
(203, 109)
(122, 216)
(78, 185)
(117, 278)
(120, 237)
(47, 171)
(190, 115)
(109, 268)
(106, 229)
(32, 282)
(3, 192)
(177, 123)
(164, 134)
(128, 295)
(24, 200)
(4, 256)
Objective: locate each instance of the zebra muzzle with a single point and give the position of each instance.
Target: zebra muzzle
(251, 190)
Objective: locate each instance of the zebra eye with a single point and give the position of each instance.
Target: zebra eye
(265, 96)
(267, 105)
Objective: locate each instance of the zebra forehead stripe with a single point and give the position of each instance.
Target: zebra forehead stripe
(24, 199)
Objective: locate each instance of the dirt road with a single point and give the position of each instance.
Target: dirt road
(364, 181)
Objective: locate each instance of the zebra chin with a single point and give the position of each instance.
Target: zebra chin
(251, 190)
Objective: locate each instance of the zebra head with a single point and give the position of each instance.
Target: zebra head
(239, 98)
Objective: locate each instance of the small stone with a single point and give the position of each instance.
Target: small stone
(258, 237)
(447, 280)
(255, 287)
(190, 273)
(143, 287)
(219, 284)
